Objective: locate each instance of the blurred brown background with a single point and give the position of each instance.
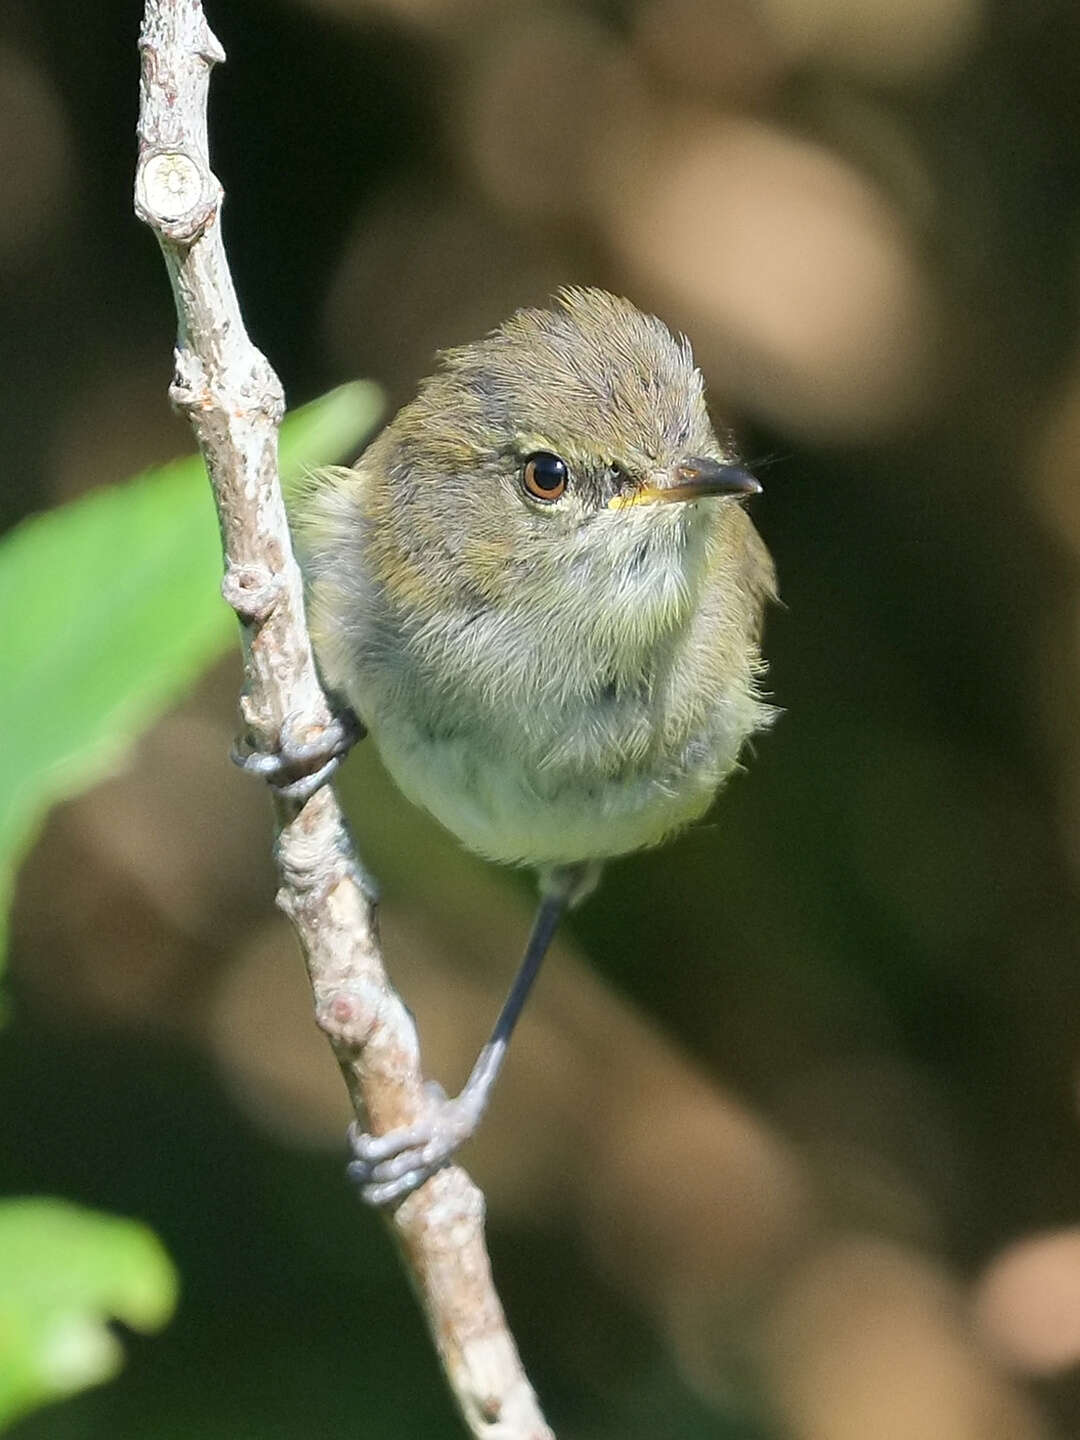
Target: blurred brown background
(796, 1154)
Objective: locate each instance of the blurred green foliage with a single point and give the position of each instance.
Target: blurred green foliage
(114, 610)
(99, 649)
(65, 1275)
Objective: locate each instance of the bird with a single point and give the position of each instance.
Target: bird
(540, 593)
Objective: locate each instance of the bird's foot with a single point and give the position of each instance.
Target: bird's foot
(297, 768)
(387, 1168)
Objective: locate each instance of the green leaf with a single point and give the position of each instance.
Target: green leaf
(111, 607)
(65, 1274)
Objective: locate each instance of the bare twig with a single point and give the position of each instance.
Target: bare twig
(235, 402)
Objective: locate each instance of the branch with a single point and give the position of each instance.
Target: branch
(235, 403)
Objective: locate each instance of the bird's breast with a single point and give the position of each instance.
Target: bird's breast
(592, 709)
(555, 747)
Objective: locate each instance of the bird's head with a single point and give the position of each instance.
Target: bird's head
(569, 440)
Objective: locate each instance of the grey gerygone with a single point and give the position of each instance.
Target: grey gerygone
(540, 594)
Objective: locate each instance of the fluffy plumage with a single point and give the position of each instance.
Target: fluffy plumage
(555, 682)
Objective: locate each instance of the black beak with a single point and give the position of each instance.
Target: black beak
(693, 480)
(701, 477)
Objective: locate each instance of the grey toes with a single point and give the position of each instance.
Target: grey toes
(298, 768)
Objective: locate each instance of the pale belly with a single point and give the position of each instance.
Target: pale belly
(558, 814)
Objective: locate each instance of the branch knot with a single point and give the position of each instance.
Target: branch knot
(175, 194)
(252, 591)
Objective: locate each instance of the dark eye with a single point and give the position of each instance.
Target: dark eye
(545, 475)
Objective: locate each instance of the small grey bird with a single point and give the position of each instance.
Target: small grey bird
(539, 592)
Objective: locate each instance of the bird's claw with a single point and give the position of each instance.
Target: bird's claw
(387, 1168)
(297, 768)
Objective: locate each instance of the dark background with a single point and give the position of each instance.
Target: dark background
(796, 1154)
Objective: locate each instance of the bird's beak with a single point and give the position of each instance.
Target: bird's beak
(691, 480)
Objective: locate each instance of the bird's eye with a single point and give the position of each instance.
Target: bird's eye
(545, 475)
